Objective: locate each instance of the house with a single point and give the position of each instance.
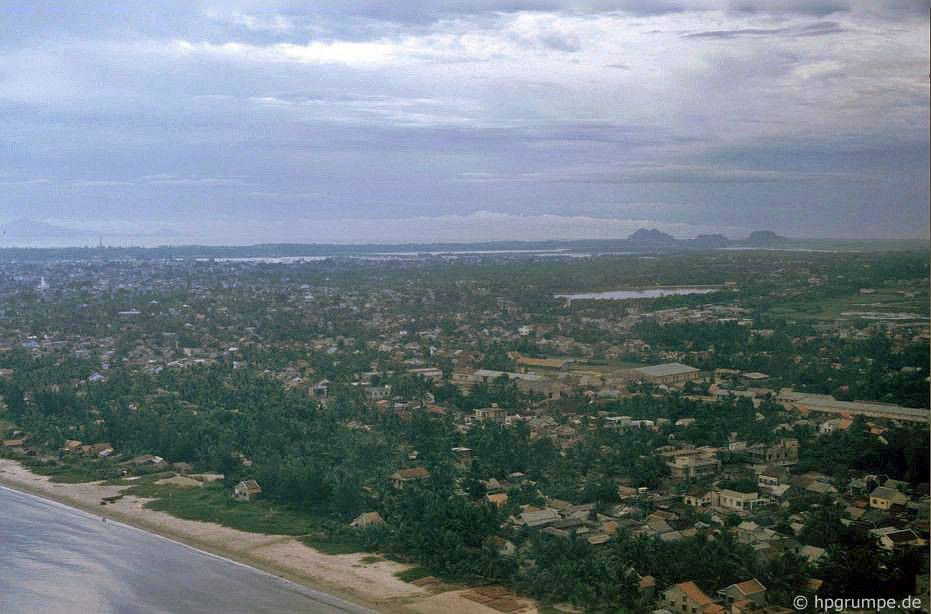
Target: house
(463, 457)
(367, 519)
(672, 373)
(697, 496)
(737, 501)
(428, 373)
(494, 414)
(322, 388)
(401, 477)
(812, 553)
(96, 449)
(247, 490)
(751, 590)
(772, 475)
(691, 464)
(71, 445)
(883, 498)
(783, 452)
(500, 499)
(890, 540)
(377, 393)
(533, 518)
(687, 597)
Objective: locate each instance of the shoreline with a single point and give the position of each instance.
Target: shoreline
(345, 577)
(301, 588)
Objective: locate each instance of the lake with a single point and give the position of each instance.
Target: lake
(54, 558)
(620, 295)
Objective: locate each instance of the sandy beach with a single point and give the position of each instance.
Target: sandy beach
(348, 576)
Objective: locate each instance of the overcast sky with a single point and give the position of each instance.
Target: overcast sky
(454, 120)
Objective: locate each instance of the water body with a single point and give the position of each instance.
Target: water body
(54, 558)
(620, 295)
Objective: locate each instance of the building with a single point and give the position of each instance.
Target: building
(247, 490)
(428, 373)
(499, 499)
(688, 598)
(669, 374)
(548, 364)
(466, 379)
(890, 540)
(401, 477)
(737, 501)
(883, 498)
(697, 496)
(463, 457)
(783, 452)
(538, 518)
(495, 414)
(748, 590)
(825, 403)
(367, 519)
(692, 464)
(377, 393)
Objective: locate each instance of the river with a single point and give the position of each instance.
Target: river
(54, 558)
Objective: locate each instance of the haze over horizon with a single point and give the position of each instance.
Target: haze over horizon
(246, 122)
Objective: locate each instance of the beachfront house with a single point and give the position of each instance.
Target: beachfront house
(246, 490)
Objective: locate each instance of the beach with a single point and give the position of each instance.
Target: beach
(355, 578)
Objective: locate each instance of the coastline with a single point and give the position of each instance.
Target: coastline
(347, 577)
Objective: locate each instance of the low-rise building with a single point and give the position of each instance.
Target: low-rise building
(402, 477)
(495, 414)
(737, 501)
(669, 374)
(247, 490)
(687, 597)
(750, 590)
(883, 498)
(783, 452)
(692, 464)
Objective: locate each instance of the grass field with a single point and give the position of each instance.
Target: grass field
(212, 503)
(834, 308)
(67, 473)
(328, 546)
(414, 573)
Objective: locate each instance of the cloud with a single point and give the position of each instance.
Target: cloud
(344, 109)
(815, 29)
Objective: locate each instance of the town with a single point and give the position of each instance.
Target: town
(665, 431)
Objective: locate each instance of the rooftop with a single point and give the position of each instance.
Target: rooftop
(669, 368)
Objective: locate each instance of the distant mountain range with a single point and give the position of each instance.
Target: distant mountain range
(757, 238)
(765, 237)
(651, 236)
(26, 229)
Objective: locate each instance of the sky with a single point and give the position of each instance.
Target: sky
(343, 121)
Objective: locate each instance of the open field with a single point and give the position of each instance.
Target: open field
(885, 301)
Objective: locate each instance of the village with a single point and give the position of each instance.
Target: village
(686, 420)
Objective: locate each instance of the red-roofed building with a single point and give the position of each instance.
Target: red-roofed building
(688, 598)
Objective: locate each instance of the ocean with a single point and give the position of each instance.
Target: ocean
(54, 558)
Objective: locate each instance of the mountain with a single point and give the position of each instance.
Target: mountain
(25, 228)
(765, 237)
(713, 240)
(651, 236)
